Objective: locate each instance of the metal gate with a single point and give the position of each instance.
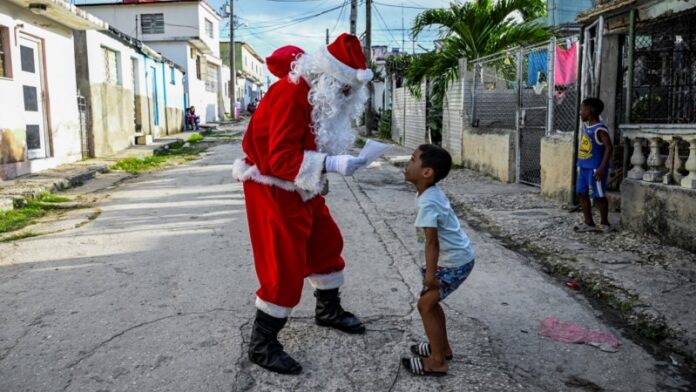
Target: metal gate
(534, 64)
(518, 89)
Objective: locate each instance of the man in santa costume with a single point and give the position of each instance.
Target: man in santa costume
(299, 132)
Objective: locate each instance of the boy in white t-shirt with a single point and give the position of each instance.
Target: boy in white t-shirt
(449, 257)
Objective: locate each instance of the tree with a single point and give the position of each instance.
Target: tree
(470, 30)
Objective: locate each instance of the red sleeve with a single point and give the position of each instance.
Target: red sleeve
(289, 123)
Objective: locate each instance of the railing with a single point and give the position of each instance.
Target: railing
(676, 140)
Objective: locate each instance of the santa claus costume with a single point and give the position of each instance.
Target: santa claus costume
(299, 132)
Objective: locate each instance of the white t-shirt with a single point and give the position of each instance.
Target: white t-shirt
(434, 210)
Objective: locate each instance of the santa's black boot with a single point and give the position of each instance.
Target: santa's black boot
(264, 348)
(330, 313)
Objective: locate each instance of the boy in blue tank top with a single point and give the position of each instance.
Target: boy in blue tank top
(594, 162)
(448, 257)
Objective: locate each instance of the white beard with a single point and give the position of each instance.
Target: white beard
(332, 112)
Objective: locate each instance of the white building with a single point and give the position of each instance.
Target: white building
(132, 94)
(40, 124)
(250, 68)
(185, 31)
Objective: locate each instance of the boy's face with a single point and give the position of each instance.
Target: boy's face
(585, 113)
(415, 171)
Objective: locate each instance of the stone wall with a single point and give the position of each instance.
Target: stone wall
(557, 167)
(668, 212)
(490, 151)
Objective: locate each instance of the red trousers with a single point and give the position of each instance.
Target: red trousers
(291, 239)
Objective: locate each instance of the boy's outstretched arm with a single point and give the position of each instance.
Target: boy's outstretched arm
(432, 253)
(603, 137)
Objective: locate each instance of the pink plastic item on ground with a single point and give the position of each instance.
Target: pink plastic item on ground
(552, 327)
(566, 65)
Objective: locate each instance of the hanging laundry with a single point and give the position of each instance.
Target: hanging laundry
(538, 62)
(566, 65)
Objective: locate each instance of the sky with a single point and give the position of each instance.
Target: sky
(269, 24)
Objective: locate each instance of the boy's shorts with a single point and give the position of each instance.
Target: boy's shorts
(450, 278)
(587, 183)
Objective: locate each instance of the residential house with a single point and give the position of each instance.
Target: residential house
(641, 63)
(39, 117)
(132, 94)
(250, 69)
(185, 31)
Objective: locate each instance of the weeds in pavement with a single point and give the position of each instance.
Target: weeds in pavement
(195, 138)
(28, 211)
(177, 152)
(19, 236)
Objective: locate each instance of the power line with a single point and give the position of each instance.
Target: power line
(338, 20)
(404, 6)
(267, 29)
(379, 14)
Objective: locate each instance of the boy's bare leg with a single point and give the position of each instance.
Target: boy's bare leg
(433, 329)
(586, 209)
(603, 207)
(443, 323)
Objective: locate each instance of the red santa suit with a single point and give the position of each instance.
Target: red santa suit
(292, 233)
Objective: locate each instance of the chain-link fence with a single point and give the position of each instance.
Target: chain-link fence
(495, 94)
(532, 90)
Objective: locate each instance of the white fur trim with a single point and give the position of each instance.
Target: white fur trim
(333, 280)
(364, 75)
(242, 171)
(274, 310)
(336, 68)
(309, 176)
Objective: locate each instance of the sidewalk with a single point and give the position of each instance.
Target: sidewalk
(75, 174)
(649, 286)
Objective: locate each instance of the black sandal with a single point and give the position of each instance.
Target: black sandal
(423, 350)
(415, 366)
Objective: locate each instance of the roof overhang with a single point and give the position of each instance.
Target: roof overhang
(200, 45)
(63, 13)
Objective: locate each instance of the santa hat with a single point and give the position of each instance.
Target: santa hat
(280, 61)
(344, 59)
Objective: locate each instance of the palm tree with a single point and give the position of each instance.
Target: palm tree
(469, 30)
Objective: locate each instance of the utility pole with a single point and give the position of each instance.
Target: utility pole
(353, 16)
(369, 117)
(233, 73)
(403, 31)
(327, 36)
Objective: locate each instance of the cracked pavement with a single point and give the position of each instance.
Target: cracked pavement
(157, 294)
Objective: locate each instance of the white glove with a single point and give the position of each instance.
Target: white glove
(344, 165)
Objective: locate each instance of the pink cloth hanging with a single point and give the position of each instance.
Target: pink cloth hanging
(566, 65)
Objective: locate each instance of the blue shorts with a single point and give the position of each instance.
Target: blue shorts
(450, 278)
(588, 185)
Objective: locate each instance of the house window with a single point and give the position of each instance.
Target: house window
(172, 75)
(664, 87)
(112, 66)
(211, 78)
(152, 23)
(198, 67)
(209, 29)
(5, 68)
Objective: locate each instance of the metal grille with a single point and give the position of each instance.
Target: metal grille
(152, 23)
(664, 71)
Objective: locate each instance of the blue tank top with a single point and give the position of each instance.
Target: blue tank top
(590, 152)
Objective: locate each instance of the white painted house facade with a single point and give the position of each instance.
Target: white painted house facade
(39, 117)
(185, 31)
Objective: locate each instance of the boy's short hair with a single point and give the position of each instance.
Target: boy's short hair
(595, 105)
(436, 158)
